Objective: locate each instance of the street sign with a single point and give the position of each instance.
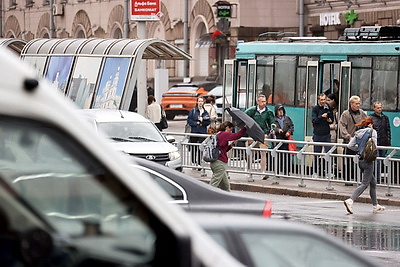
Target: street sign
(224, 10)
(145, 10)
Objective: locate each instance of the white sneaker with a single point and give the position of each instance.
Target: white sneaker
(348, 203)
(378, 208)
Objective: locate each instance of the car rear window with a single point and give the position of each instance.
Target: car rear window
(183, 89)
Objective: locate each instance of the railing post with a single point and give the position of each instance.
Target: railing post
(274, 155)
(328, 158)
(300, 157)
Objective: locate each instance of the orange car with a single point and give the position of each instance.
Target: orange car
(182, 97)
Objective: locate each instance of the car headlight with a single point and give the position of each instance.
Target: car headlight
(174, 155)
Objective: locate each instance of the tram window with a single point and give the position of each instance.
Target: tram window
(265, 76)
(285, 70)
(301, 79)
(361, 86)
(385, 80)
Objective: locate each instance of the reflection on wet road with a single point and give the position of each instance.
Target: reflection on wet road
(377, 235)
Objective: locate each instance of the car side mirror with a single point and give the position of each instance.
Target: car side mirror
(170, 138)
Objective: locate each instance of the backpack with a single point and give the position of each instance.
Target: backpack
(367, 148)
(210, 149)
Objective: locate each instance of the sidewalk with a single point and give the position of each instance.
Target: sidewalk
(312, 189)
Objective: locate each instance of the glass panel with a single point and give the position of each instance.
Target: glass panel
(301, 87)
(37, 62)
(344, 93)
(58, 71)
(74, 192)
(312, 86)
(84, 77)
(385, 80)
(361, 86)
(251, 82)
(240, 101)
(228, 83)
(285, 71)
(265, 77)
(291, 249)
(112, 83)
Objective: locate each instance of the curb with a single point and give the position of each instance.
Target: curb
(243, 186)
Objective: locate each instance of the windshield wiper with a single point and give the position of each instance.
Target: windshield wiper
(142, 138)
(120, 139)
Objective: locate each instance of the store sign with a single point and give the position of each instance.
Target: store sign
(326, 19)
(145, 10)
(224, 11)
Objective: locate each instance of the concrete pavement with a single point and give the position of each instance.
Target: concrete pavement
(313, 189)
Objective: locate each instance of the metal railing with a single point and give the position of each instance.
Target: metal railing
(303, 164)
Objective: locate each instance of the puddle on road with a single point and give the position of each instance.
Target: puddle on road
(366, 237)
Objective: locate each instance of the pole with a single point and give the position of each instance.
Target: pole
(142, 75)
(186, 38)
(51, 19)
(301, 18)
(126, 19)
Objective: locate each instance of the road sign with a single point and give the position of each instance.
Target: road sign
(145, 10)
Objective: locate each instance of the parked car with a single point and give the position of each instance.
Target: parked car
(135, 135)
(182, 97)
(257, 243)
(196, 196)
(68, 197)
(216, 91)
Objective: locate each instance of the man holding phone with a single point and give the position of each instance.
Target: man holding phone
(322, 116)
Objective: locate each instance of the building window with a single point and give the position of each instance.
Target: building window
(29, 3)
(13, 4)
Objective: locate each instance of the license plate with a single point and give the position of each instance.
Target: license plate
(175, 106)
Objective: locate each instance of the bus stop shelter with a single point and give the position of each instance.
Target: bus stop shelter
(99, 73)
(16, 45)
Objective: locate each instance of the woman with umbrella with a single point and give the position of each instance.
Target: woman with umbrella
(225, 136)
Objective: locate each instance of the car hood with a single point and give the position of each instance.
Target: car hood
(144, 147)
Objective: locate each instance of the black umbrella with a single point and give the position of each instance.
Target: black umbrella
(253, 129)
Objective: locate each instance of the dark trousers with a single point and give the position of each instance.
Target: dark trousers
(318, 165)
(379, 165)
(349, 173)
(195, 151)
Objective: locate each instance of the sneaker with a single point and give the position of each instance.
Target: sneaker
(265, 177)
(348, 203)
(378, 208)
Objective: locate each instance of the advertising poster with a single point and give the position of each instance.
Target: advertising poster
(58, 71)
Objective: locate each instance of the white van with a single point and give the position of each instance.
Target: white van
(69, 197)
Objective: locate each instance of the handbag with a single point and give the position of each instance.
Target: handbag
(292, 146)
(163, 122)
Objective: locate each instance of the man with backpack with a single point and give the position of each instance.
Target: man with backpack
(367, 154)
(224, 136)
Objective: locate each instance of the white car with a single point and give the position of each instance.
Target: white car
(135, 135)
(68, 198)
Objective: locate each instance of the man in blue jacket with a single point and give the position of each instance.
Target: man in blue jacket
(322, 116)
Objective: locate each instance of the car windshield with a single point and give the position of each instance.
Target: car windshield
(131, 131)
(75, 193)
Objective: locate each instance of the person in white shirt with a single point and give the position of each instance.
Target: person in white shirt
(153, 111)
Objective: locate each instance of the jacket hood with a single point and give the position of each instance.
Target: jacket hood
(280, 106)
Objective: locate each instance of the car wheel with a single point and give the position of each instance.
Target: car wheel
(170, 116)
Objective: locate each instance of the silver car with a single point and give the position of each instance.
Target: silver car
(135, 135)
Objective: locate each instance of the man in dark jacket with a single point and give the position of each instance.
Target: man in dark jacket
(322, 116)
(382, 126)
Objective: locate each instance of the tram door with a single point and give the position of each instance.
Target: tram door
(311, 97)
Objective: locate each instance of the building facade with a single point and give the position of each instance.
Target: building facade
(28, 19)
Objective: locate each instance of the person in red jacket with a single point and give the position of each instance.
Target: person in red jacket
(220, 177)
